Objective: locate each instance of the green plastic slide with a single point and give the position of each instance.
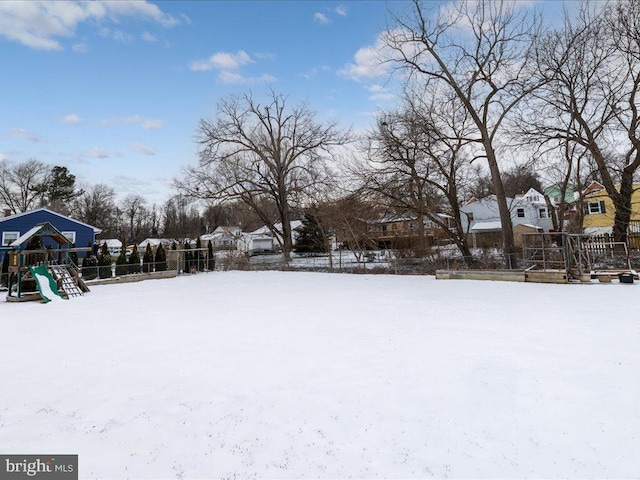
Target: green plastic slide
(46, 284)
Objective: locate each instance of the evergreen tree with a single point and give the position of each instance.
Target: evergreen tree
(211, 259)
(161, 259)
(134, 260)
(89, 265)
(147, 259)
(104, 262)
(188, 257)
(121, 261)
(197, 256)
(310, 238)
(59, 189)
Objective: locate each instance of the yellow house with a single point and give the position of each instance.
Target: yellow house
(599, 211)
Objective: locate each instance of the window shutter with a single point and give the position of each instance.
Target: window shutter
(585, 207)
(602, 209)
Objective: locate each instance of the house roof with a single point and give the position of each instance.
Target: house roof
(111, 242)
(489, 226)
(593, 187)
(154, 242)
(266, 231)
(30, 212)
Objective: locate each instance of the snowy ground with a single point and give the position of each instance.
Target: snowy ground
(308, 375)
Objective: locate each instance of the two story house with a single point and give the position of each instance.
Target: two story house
(599, 211)
(529, 213)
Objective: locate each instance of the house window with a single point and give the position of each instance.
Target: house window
(9, 237)
(594, 207)
(543, 213)
(520, 212)
(71, 236)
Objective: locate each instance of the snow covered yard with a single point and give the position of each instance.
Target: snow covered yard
(292, 375)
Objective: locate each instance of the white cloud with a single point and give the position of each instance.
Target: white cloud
(25, 135)
(72, 119)
(372, 61)
(139, 148)
(96, 152)
(382, 97)
(321, 18)
(41, 24)
(229, 65)
(234, 78)
(122, 37)
(148, 37)
(222, 61)
(341, 10)
(147, 124)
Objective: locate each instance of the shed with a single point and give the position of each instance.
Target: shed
(519, 230)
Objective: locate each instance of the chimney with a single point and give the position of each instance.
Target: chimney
(7, 212)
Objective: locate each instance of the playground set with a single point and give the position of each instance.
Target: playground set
(38, 271)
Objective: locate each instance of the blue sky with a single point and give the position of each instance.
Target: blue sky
(114, 91)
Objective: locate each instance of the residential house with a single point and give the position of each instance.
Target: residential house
(554, 192)
(114, 246)
(256, 243)
(13, 226)
(154, 243)
(393, 231)
(483, 216)
(263, 240)
(223, 238)
(599, 211)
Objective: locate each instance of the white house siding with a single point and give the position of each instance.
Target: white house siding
(529, 209)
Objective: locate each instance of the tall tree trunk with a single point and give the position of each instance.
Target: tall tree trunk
(622, 204)
(503, 208)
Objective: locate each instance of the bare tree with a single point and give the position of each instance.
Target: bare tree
(19, 184)
(134, 211)
(181, 218)
(592, 99)
(96, 206)
(261, 154)
(416, 163)
(480, 53)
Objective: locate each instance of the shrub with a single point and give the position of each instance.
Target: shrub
(161, 259)
(104, 262)
(121, 261)
(89, 266)
(134, 260)
(147, 259)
